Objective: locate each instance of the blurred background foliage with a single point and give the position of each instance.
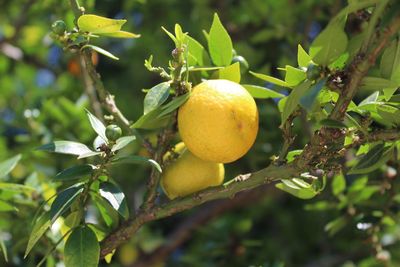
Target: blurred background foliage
(42, 98)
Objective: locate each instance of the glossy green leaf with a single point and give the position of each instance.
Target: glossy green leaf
(231, 73)
(97, 126)
(134, 159)
(170, 35)
(270, 79)
(151, 120)
(114, 195)
(97, 24)
(303, 59)
(8, 165)
(64, 200)
(101, 51)
(75, 172)
(329, 44)
(293, 189)
(123, 142)
(294, 76)
(338, 184)
(293, 100)
(40, 227)
(66, 147)
(82, 248)
(308, 99)
(219, 43)
(373, 160)
(121, 34)
(156, 96)
(197, 53)
(262, 92)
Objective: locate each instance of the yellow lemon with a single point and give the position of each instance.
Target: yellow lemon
(219, 122)
(188, 174)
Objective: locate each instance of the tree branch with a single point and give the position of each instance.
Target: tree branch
(228, 190)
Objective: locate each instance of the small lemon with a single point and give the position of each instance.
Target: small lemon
(219, 122)
(188, 174)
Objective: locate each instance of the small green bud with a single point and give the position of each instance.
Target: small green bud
(244, 65)
(113, 132)
(59, 27)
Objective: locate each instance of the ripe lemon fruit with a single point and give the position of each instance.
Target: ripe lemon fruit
(219, 121)
(188, 174)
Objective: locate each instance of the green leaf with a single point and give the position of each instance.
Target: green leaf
(171, 36)
(100, 50)
(156, 96)
(4, 249)
(336, 225)
(329, 44)
(293, 100)
(338, 184)
(390, 114)
(82, 248)
(373, 160)
(8, 165)
(114, 195)
(97, 24)
(151, 120)
(107, 212)
(5, 206)
(64, 200)
(219, 43)
(303, 59)
(40, 227)
(75, 172)
(123, 142)
(90, 154)
(261, 92)
(180, 36)
(231, 73)
(295, 190)
(133, 159)
(308, 99)
(197, 53)
(294, 76)
(97, 126)
(121, 34)
(16, 187)
(376, 83)
(270, 79)
(390, 61)
(173, 105)
(66, 147)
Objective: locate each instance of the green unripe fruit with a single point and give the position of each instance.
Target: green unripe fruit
(113, 132)
(59, 27)
(244, 65)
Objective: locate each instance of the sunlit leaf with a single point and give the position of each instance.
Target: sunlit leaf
(270, 79)
(64, 200)
(101, 51)
(261, 92)
(231, 73)
(39, 228)
(219, 43)
(8, 165)
(66, 147)
(114, 195)
(123, 142)
(97, 24)
(97, 126)
(156, 96)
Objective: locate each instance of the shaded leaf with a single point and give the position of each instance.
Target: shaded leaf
(308, 99)
(5, 206)
(336, 225)
(4, 249)
(82, 248)
(64, 200)
(174, 104)
(338, 184)
(75, 172)
(374, 159)
(293, 100)
(40, 227)
(107, 212)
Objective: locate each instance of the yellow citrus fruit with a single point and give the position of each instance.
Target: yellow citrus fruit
(219, 122)
(188, 174)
